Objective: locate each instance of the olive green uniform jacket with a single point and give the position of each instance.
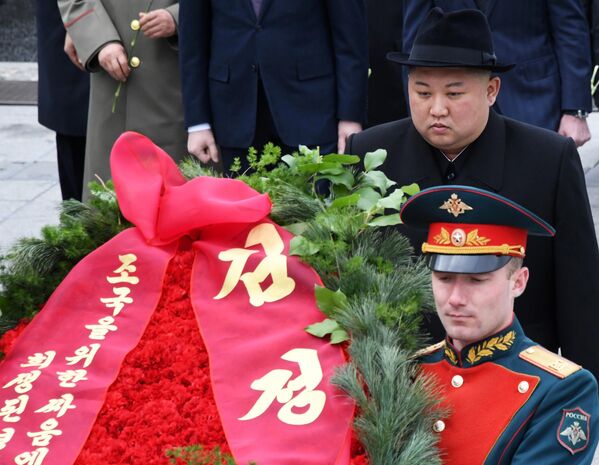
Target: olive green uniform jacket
(149, 102)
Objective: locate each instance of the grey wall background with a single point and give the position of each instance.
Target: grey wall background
(17, 30)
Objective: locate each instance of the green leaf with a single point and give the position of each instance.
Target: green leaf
(387, 220)
(338, 336)
(297, 229)
(393, 200)
(345, 179)
(329, 168)
(290, 160)
(323, 328)
(378, 180)
(346, 201)
(411, 189)
(299, 245)
(343, 159)
(374, 159)
(368, 198)
(328, 301)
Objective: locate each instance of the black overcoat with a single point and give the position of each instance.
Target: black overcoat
(542, 171)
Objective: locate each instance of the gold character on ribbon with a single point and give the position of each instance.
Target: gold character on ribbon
(70, 378)
(24, 381)
(86, 353)
(119, 301)
(32, 458)
(39, 360)
(48, 431)
(60, 406)
(273, 265)
(6, 435)
(124, 270)
(98, 332)
(278, 385)
(13, 408)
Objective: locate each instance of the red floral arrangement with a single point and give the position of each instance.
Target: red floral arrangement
(162, 398)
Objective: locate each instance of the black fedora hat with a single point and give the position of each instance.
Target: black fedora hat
(459, 39)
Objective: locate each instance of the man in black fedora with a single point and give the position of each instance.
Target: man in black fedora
(453, 136)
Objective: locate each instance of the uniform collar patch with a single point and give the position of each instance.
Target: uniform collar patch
(573, 431)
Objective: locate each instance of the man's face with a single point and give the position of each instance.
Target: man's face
(475, 306)
(450, 106)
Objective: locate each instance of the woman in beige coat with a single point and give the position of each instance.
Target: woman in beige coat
(130, 45)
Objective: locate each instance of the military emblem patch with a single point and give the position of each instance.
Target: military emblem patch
(573, 431)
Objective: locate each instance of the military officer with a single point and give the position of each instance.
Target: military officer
(510, 401)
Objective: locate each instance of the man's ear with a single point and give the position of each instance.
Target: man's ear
(519, 280)
(493, 89)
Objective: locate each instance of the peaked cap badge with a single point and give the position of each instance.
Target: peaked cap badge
(455, 206)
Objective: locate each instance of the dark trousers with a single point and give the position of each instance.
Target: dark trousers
(70, 151)
(265, 132)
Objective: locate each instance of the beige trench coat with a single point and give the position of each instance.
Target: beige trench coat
(150, 101)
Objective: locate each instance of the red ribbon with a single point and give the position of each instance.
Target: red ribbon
(252, 302)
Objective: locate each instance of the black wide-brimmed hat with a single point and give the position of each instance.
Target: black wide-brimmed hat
(459, 39)
(471, 230)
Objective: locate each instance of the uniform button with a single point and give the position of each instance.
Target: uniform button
(450, 176)
(134, 62)
(135, 25)
(523, 387)
(254, 68)
(439, 426)
(457, 381)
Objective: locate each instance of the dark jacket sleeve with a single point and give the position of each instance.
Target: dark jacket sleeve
(576, 265)
(194, 56)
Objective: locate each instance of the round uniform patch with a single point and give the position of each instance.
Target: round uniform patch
(573, 431)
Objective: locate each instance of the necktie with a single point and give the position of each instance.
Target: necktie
(257, 4)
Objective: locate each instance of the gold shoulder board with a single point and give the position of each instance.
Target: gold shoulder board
(429, 350)
(548, 361)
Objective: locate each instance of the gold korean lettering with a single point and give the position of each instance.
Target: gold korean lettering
(70, 378)
(13, 408)
(119, 300)
(278, 385)
(273, 265)
(6, 435)
(98, 332)
(60, 406)
(24, 381)
(86, 353)
(40, 360)
(32, 458)
(123, 271)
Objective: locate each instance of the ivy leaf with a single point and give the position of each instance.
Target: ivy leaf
(338, 336)
(345, 201)
(379, 180)
(328, 301)
(343, 159)
(299, 245)
(393, 200)
(346, 178)
(322, 328)
(411, 189)
(374, 159)
(387, 220)
(297, 229)
(329, 168)
(368, 198)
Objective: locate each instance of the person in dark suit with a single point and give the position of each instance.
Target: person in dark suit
(549, 43)
(254, 71)
(454, 137)
(386, 101)
(592, 9)
(63, 97)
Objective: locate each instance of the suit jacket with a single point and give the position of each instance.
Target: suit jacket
(63, 90)
(311, 56)
(386, 101)
(547, 40)
(541, 170)
(150, 100)
(509, 406)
